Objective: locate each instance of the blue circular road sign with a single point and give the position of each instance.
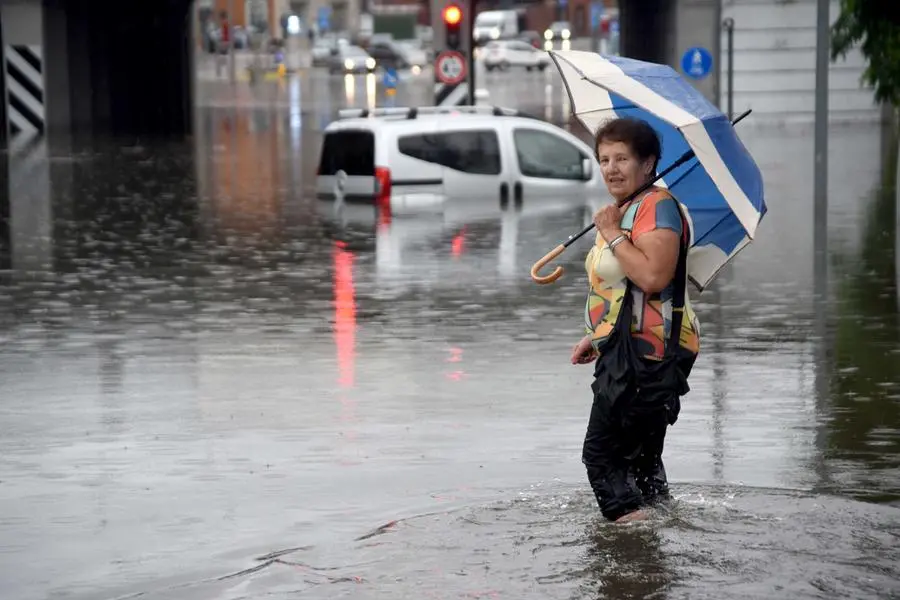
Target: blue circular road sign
(390, 78)
(697, 62)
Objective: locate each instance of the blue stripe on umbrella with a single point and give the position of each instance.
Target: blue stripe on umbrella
(713, 222)
(667, 83)
(741, 165)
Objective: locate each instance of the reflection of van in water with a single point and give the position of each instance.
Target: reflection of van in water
(497, 25)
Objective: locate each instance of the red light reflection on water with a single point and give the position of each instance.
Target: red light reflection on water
(458, 244)
(345, 337)
(455, 357)
(344, 314)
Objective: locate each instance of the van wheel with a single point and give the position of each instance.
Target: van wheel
(528, 69)
(504, 66)
(542, 68)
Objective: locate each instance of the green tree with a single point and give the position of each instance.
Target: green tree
(875, 26)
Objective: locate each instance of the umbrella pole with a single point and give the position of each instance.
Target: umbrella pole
(558, 271)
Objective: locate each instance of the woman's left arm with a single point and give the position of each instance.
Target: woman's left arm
(650, 256)
(650, 260)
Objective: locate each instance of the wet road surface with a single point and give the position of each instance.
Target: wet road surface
(211, 391)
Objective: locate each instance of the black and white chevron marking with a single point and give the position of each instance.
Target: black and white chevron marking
(451, 95)
(23, 67)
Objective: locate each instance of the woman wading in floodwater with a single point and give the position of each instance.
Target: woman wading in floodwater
(637, 279)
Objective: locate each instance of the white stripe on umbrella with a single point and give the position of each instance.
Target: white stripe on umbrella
(705, 261)
(601, 107)
(610, 77)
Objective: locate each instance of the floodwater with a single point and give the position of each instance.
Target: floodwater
(212, 392)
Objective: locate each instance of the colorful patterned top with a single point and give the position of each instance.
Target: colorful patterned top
(652, 314)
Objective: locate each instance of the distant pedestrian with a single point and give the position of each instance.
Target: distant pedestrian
(224, 46)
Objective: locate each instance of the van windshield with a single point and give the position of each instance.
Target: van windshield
(350, 150)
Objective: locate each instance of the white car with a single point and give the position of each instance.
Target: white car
(514, 53)
(558, 30)
(351, 59)
(457, 162)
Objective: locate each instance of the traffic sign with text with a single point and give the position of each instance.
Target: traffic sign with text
(450, 67)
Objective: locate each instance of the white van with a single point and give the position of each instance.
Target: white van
(460, 162)
(495, 25)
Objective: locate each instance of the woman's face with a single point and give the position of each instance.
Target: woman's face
(622, 170)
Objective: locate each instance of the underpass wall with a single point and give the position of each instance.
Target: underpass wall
(775, 65)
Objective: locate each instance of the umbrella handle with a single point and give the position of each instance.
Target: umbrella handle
(557, 272)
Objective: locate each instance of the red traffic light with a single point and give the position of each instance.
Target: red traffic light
(452, 14)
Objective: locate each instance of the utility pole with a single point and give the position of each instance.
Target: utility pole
(470, 27)
(820, 152)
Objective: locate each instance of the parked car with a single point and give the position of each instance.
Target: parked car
(475, 160)
(514, 53)
(397, 55)
(416, 55)
(350, 59)
(324, 47)
(558, 30)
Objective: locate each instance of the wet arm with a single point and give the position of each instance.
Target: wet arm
(650, 260)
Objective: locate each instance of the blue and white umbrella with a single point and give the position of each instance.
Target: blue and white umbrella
(722, 194)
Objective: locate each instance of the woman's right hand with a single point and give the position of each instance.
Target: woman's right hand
(583, 352)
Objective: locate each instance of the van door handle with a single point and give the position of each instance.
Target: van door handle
(504, 195)
(517, 194)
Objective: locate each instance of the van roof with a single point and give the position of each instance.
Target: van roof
(356, 118)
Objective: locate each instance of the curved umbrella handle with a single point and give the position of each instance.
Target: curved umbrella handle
(557, 272)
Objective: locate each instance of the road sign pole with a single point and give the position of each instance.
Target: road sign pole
(729, 30)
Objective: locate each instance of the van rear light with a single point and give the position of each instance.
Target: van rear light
(383, 194)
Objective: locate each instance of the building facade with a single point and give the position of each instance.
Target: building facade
(265, 16)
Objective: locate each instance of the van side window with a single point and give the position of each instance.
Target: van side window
(471, 151)
(544, 155)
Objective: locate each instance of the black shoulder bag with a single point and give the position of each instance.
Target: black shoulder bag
(640, 390)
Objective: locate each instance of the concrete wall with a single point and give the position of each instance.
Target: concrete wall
(647, 29)
(56, 68)
(22, 22)
(775, 64)
(130, 75)
(774, 55)
(696, 23)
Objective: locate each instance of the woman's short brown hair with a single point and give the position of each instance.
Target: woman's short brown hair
(636, 133)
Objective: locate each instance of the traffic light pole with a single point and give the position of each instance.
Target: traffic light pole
(470, 28)
(454, 62)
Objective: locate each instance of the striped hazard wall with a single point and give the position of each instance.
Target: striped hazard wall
(23, 70)
(451, 94)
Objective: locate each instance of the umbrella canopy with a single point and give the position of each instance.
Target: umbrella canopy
(721, 190)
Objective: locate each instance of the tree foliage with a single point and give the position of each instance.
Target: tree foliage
(875, 26)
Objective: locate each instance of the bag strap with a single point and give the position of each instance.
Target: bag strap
(679, 284)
